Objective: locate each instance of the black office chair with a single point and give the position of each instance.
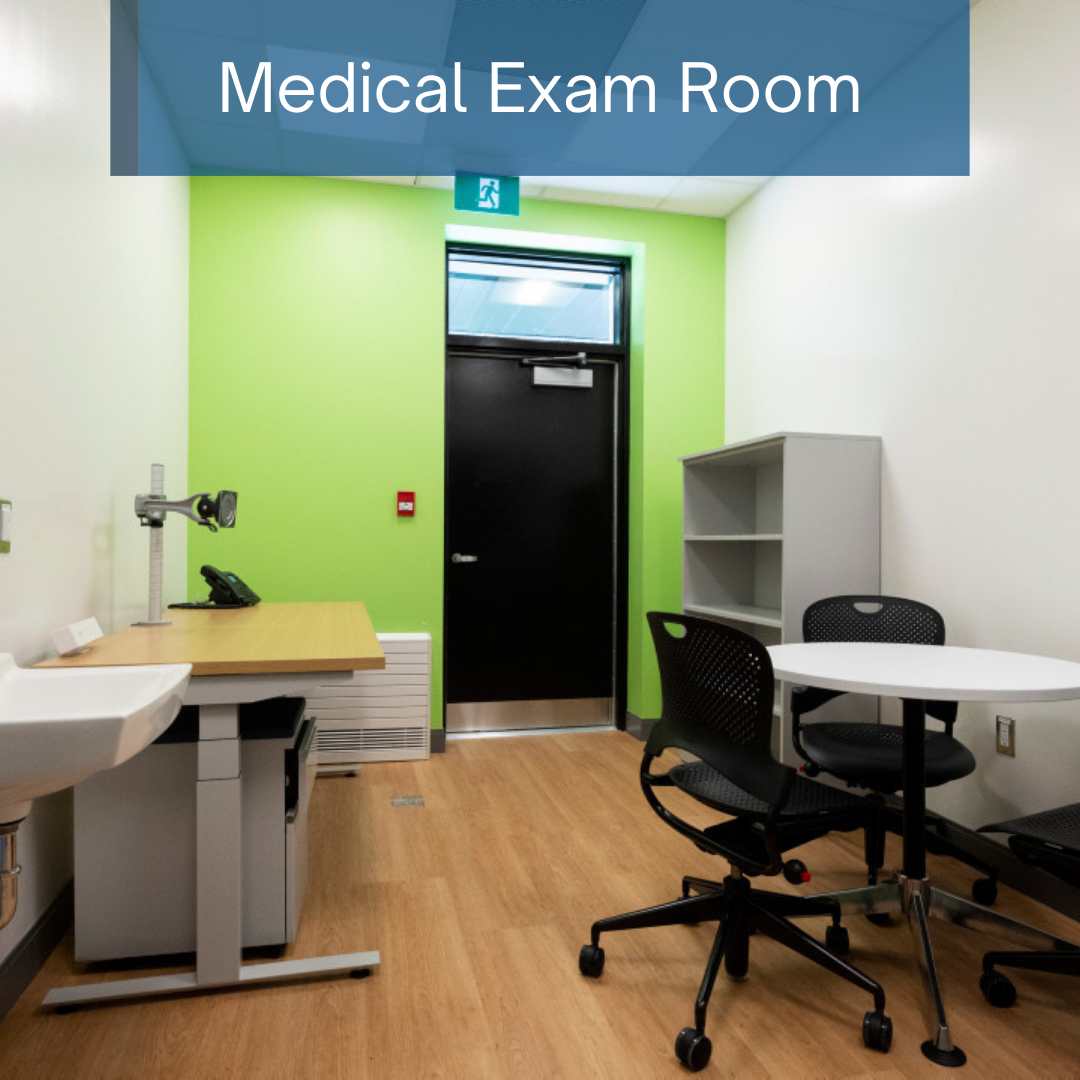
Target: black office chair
(871, 755)
(1051, 841)
(717, 686)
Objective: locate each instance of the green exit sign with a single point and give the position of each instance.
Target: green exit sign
(486, 194)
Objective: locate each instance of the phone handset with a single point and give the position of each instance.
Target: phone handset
(227, 590)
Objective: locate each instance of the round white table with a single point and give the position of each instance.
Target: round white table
(928, 672)
(917, 674)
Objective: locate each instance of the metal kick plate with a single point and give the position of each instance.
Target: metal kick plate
(523, 715)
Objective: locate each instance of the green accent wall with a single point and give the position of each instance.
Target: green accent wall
(317, 387)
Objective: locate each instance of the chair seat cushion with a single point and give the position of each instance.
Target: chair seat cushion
(1049, 840)
(806, 798)
(1060, 826)
(872, 755)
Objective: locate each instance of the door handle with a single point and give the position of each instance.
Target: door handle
(464, 558)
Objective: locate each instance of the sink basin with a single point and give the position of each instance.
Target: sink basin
(59, 726)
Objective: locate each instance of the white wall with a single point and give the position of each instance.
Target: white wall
(93, 365)
(944, 315)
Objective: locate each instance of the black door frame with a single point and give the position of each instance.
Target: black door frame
(514, 348)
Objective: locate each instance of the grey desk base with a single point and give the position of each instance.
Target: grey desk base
(218, 855)
(247, 975)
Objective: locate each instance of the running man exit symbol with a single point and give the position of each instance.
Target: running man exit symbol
(486, 194)
(489, 193)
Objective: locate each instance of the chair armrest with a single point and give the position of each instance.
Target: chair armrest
(657, 779)
(945, 711)
(805, 699)
(754, 843)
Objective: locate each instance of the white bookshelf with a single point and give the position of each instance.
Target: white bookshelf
(773, 524)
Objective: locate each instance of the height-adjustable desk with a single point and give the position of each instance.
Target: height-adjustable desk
(236, 656)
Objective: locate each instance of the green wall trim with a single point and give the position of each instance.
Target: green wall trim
(317, 380)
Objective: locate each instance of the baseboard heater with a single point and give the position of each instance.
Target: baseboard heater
(377, 715)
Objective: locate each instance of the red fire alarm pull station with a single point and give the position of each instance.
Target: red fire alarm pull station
(406, 503)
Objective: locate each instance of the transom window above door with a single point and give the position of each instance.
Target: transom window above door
(533, 298)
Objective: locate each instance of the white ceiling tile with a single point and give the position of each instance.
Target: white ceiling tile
(446, 183)
(710, 196)
(755, 181)
(625, 199)
(707, 196)
(705, 186)
(378, 179)
(639, 187)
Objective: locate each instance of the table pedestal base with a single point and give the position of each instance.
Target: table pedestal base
(918, 900)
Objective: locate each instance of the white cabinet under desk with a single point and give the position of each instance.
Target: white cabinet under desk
(135, 838)
(772, 524)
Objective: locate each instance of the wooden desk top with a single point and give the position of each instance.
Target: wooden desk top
(256, 640)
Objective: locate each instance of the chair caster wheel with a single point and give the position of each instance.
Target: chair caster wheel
(795, 872)
(693, 1049)
(997, 989)
(984, 891)
(65, 1010)
(591, 961)
(359, 973)
(877, 1031)
(837, 940)
(880, 918)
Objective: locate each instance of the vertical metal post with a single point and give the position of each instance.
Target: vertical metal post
(914, 789)
(157, 549)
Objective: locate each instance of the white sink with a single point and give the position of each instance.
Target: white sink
(60, 725)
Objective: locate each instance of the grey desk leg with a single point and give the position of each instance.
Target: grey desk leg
(218, 850)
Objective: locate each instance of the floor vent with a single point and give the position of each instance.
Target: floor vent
(344, 740)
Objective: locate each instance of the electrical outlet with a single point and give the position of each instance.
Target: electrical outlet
(1006, 736)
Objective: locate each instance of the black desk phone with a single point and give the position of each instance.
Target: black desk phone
(226, 591)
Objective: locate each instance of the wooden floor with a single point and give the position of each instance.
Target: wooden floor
(479, 902)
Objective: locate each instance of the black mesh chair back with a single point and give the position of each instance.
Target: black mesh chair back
(892, 620)
(871, 755)
(717, 688)
(889, 619)
(717, 685)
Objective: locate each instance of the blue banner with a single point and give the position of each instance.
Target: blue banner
(549, 87)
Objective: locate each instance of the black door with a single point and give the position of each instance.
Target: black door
(530, 545)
